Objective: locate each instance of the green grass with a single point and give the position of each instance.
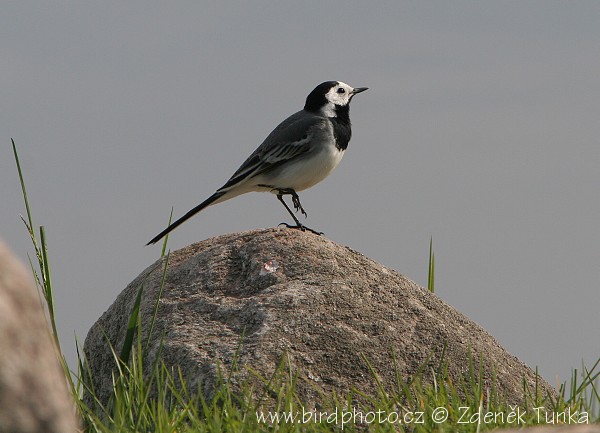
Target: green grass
(431, 273)
(157, 400)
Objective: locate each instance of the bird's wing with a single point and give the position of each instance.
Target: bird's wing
(290, 139)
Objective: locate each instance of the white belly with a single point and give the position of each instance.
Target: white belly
(305, 172)
(299, 174)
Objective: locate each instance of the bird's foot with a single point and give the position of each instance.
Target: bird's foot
(301, 228)
(298, 205)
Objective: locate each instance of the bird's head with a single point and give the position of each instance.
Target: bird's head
(327, 97)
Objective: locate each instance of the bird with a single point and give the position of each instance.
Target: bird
(299, 153)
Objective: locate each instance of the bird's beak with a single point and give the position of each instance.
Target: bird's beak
(359, 89)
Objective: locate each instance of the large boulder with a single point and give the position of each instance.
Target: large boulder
(33, 391)
(327, 308)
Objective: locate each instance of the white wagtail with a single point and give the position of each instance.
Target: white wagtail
(299, 153)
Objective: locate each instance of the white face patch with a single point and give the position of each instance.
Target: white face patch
(340, 94)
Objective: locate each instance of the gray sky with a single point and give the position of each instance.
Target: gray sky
(480, 129)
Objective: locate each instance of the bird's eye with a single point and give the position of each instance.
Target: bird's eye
(341, 90)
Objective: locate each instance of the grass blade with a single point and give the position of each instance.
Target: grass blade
(22, 185)
(157, 303)
(131, 327)
(164, 245)
(431, 275)
(47, 284)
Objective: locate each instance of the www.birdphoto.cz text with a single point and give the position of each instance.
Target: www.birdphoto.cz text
(438, 415)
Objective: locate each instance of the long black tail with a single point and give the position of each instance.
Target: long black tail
(187, 216)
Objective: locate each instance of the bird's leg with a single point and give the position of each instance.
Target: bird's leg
(295, 200)
(297, 207)
(280, 198)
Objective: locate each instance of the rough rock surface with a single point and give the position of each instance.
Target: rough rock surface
(325, 306)
(33, 392)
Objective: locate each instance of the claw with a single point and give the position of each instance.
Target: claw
(302, 228)
(298, 205)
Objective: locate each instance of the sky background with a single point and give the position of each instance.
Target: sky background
(480, 129)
